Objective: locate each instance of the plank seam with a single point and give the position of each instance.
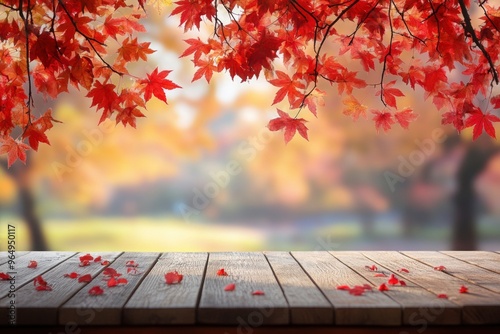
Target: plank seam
(137, 286)
(281, 288)
(472, 263)
(315, 284)
(200, 291)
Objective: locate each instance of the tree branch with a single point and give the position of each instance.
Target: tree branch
(470, 29)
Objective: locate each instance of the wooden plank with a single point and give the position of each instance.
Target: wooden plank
(307, 303)
(418, 304)
(420, 328)
(84, 309)
(372, 308)
(155, 302)
(24, 275)
(4, 256)
(479, 306)
(460, 269)
(41, 307)
(250, 272)
(483, 259)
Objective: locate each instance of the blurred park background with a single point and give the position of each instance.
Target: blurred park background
(205, 174)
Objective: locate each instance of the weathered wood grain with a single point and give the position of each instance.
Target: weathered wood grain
(4, 256)
(106, 309)
(479, 306)
(459, 269)
(419, 305)
(155, 302)
(250, 272)
(486, 260)
(41, 307)
(23, 274)
(372, 308)
(307, 303)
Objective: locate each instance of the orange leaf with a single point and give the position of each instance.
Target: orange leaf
(291, 125)
(14, 149)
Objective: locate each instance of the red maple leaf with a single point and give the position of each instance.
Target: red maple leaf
(463, 289)
(33, 264)
(84, 279)
(383, 287)
(4, 277)
(111, 272)
(71, 275)
(40, 284)
(96, 291)
(393, 280)
(402, 283)
(104, 97)
(291, 125)
(112, 282)
(14, 149)
(221, 272)
(405, 117)
(98, 259)
(383, 120)
(173, 277)
(482, 121)
(156, 83)
(86, 257)
(288, 86)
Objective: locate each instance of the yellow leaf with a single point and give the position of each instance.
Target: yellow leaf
(353, 108)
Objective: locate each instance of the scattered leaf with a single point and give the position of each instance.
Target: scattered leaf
(4, 277)
(105, 263)
(440, 268)
(98, 259)
(402, 283)
(85, 279)
(221, 272)
(372, 267)
(71, 275)
(463, 289)
(111, 272)
(114, 282)
(393, 280)
(86, 257)
(343, 287)
(258, 293)
(443, 296)
(40, 284)
(380, 275)
(383, 287)
(96, 291)
(230, 287)
(173, 277)
(403, 270)
(132, 264)
(33, 264)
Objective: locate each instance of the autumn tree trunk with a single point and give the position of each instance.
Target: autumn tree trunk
(465, 200)
(27, 205)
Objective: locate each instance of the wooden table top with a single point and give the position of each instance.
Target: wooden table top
(300, 289)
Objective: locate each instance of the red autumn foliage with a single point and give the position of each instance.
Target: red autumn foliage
(4, 277)
(40, 284)
(393, 280)
(71, 275)
(173, 277)
(404, 44)
(96, 291)
(33, 264)
(111, 272)
(85, 278)
(463, 289)
(383, 287)
(112, 282)
(98, 259)
(221, 272)
(230, 287)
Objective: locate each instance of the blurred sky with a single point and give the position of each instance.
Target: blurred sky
(204, 173)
